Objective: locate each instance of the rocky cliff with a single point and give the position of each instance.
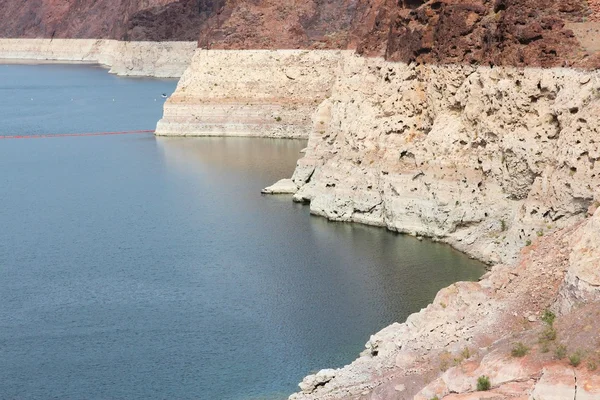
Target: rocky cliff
(487, 159)
(545, 33)
(137, 20)
(500, 162)
(159, 59)
(485, 32)
(268, 93)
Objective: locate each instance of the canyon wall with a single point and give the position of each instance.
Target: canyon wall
(486, 159)
(159, 59)
(135, 20)
(249, 93)
(500, 162)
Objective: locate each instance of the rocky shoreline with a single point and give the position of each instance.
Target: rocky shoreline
(501, 164)
(496, 156)
(155, 59)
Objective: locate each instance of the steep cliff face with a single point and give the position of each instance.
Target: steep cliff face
(543, 33)
(488, 32)
(288, 24)
(106, 19)
(487, 159)
(269, 93)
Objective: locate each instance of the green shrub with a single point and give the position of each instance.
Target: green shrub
(528, 242)
(466, 353)
(548, 317)
(548, 334)
(519, 350)
(544, 347)
(483, 383)
(278, 119)
(561, 351)
(435, 397)
(502, 225)
(575, 359)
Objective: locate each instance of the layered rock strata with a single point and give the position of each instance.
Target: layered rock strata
(250, 93)
(159, 59)
(486, 159)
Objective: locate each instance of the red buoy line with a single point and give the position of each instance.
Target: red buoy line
(51, 135)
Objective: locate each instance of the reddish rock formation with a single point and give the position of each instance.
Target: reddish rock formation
(105, 19)
(494, 32)
(542, 33)
(287, 24)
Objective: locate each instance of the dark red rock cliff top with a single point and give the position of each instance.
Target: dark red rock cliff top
(544, 33)
(106, 19)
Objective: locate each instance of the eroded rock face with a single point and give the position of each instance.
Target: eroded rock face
(153, 20)
(545, 33)
(498, 32)
(487, 159)
(258, 93)
(287, 24)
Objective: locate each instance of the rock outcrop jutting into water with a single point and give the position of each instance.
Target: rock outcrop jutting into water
(269, 93)
(471, 122)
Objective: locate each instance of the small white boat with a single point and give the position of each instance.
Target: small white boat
(164, 95)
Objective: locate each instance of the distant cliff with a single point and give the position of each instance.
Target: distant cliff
(134, 20)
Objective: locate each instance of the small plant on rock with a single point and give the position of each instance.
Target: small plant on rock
(548, 317)
(592, 366)
(548, 334)
(561, 351)
(519, 350)
(483, 383)
(466, 353)
(445, 359)
(528, 242)
(575, 359)
(502, 225)
(435, 397)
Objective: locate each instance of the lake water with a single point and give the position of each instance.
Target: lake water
(140, 268)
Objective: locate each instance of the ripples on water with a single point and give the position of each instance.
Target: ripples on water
(135, 267)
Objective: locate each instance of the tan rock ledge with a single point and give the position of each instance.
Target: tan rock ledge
(283, 186)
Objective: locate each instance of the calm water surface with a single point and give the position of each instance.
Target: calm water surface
(141, 268)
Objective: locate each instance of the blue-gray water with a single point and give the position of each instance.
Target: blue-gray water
(141, 268)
